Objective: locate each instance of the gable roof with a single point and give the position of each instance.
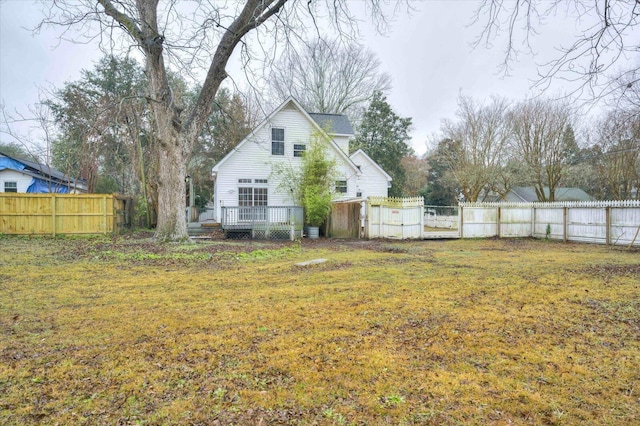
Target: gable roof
(37, 170)
(336, 124)
(314, 124)
(528, 194)
(376, 165)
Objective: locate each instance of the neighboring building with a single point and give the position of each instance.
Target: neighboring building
(245, 177)
(20, 176)
(527, 194)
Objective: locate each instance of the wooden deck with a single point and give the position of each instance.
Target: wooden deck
(262, 222)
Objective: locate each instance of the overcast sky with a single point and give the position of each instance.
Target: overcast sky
(427, 54)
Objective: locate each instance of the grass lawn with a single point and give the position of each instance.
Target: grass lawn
(122, 331)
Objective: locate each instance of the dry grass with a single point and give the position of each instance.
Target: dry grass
(100, 331)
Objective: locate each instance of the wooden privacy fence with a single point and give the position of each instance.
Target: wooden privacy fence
(599, 222)
(59, 214)
(344, 220)
(389, 217)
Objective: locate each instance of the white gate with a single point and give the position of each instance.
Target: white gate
(441, 222)
(400, 218)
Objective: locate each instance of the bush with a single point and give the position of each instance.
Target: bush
(317, 205)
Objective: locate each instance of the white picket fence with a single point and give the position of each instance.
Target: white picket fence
(599, 222)
(399, 218)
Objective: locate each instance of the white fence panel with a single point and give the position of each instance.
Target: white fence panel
(441, 222)
(625, 222)
(599, 222)
(480, 222)
(391, 222)
(374, 221)
(549, 223)
(515, 221)
(400, 218)
(413, 222)
(588, 225)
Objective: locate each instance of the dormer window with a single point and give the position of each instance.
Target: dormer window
(277, 141)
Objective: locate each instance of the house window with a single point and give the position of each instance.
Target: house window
(341, 186)
(260, 181)
(250, 200)
(298, 150)
(277, 141)
(244, 180)
(11, 187)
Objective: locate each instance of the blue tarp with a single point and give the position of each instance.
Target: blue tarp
(10, 163)
(40, 186)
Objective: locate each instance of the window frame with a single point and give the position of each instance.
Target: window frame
(299, 149)
(13, 190)
(277, 145)
(341, 186)
(250, 197)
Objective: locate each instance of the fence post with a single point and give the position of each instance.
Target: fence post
(533, 221)
(367, 217)
(564, 224)
(498, 230)
(461, 221)
(292, 225)
(53, 214)
(607, 221)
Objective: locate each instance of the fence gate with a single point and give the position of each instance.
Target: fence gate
(344, 220)
(400, 218)
(441, 222)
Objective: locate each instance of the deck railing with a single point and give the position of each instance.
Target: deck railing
(262, 222)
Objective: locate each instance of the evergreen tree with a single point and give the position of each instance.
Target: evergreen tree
(383, 135)
(441, 185)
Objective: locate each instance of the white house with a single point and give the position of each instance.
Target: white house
(24, 176)
(245, 176)
(373, 181)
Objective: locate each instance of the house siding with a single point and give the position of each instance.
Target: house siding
(23, 181)
(253, 160)
(343, 143)
(371, 182)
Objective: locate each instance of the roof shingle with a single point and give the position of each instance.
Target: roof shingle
(333, 123)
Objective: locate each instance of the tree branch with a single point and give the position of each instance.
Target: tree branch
(125, 21)
(254, 13)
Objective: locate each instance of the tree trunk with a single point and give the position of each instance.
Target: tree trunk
(172, 219)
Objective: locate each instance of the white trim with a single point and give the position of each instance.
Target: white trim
(377, 166)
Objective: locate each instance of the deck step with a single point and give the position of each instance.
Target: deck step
(210, 225)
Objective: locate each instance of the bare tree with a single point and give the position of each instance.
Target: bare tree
(606, 38)
(34, 133)
(477, 143)
(416, 171)
(626, 98)
(616, 156)
(189, 36)
(330, 77)
(539, 140)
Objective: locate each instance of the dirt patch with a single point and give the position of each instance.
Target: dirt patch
(609, 272)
